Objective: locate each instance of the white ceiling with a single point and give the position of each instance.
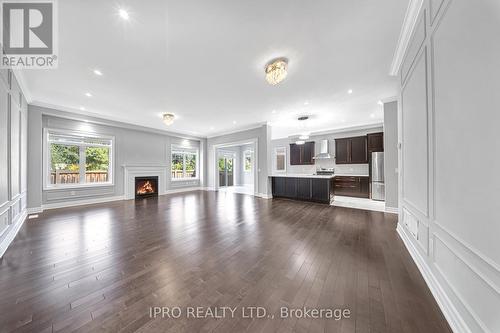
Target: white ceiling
(204, 61)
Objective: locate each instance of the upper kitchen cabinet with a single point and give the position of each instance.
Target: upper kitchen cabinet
(341, 151)
(351, 150)
(302, 154)
(376, 142)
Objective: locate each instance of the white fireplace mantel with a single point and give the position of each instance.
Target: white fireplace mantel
(136, 170)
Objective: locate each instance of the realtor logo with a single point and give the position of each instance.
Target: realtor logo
(29, 34)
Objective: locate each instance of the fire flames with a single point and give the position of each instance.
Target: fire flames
(145, 188)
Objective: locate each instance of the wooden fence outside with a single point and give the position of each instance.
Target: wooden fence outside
(177, 174)
(72, 177)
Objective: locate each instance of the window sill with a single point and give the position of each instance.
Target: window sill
(184, 179)
(76, 186)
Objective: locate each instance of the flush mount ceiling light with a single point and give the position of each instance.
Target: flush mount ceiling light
(123, 14)
(168, 118)
(276, 71)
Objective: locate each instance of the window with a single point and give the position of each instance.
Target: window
(184, 163)
(280, 159)
(247, 161)
(78, 159)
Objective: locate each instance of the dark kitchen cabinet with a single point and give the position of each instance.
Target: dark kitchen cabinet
(306, 189)
(351, 150)
(320, 189)
(291, 187)
(279, 186)
(359, 150)
(302, 154)
(341, 151)
(375, 142)
(351, 186)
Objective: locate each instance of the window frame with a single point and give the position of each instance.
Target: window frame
(46, 160)
(283, 151)
(185, 151)
(245, 154)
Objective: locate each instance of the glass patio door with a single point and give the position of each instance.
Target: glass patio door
(226, 174)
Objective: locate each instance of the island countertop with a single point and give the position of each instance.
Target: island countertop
(301, 175)
(305, 175)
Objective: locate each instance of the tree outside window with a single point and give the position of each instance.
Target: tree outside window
(75, 159)
(184, 164)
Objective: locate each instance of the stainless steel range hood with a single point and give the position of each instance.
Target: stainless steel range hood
(324, 154)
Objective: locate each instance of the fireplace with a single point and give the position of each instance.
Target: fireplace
(146, 187)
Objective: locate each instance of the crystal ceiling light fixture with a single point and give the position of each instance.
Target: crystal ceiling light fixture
(276, 70)
(168, 118)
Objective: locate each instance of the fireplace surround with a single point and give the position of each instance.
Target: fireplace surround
(131, 171)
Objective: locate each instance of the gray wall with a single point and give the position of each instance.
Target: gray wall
(391, 154)
(450, 161)
(263, 135)
(330, 163)
(133, 145)
(13, 158)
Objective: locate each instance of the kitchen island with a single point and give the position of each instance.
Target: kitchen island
(316, 188)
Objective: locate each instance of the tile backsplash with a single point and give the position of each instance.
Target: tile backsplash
(350, 169)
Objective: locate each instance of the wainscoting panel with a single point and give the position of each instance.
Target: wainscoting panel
(4, 143)
(13, 158)
(77, 193)
(450, 224)
(414, 134)
(414, 48)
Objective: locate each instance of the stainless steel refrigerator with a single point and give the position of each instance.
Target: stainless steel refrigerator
(378, 186)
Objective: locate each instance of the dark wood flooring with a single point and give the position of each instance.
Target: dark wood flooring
(101, 267)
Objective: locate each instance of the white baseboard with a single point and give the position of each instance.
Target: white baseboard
(81, 202)
(393, 210)
(9, 237)
(264, 196)
(450, 312)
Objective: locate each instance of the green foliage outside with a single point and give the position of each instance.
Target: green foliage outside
(68, 158)
(64, 157)
(96, 159)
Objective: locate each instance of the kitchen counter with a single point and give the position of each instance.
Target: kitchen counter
(301, 175)
(304, 175)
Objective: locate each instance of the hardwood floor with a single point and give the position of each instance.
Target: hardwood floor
(101, 267)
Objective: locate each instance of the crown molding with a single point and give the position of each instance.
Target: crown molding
(240, 129)
(409, 23)
(78, 115)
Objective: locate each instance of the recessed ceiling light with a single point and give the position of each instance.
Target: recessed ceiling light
(372, 115)
(306, 103)
(349, 91)
(123, 14)
(212, 128)
(234, 122)
(97, 72)
(88, 94)
(380, 103)
(82, 108)
(274, 111)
